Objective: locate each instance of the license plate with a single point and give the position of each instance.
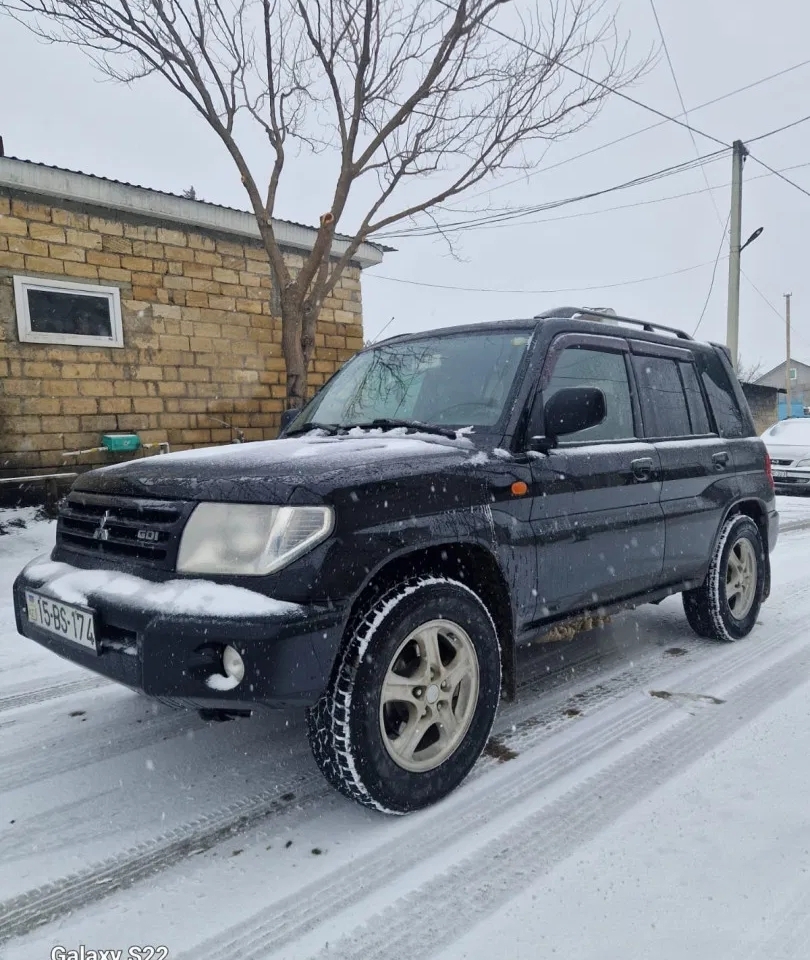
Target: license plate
(779, 474)
(62, 619)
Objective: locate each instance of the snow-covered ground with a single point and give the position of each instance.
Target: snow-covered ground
(645, 797)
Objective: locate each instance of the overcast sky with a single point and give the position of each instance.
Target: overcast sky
(55, 109)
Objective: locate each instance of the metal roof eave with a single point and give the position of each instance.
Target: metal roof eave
(55, 183)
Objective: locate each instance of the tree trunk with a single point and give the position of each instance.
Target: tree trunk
(292, 349)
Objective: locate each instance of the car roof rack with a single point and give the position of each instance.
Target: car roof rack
(583, 313)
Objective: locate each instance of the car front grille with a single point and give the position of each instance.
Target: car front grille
(143, 531)
(781, 463)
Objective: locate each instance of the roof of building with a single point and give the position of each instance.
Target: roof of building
(754, 387)
(43, 180)
(780, 366)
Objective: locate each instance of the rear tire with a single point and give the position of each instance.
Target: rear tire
(726, 605)
(413, 697)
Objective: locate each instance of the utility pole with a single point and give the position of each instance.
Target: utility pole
(788, 408)
(733, 322)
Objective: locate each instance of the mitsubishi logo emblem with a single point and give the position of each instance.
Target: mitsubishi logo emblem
(101, 532)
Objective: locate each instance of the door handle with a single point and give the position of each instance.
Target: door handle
(642, 468)
(720, 460)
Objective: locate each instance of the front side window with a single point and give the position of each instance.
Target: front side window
(606, 370)
(453, 380)
(79, 314)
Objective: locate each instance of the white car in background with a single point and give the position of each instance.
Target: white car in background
(788, 444)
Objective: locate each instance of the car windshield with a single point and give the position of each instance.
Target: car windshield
(794, 432)
(451, 380)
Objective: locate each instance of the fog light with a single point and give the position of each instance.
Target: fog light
(233, 664)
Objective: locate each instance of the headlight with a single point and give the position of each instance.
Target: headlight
(804, 463)
(252, 540)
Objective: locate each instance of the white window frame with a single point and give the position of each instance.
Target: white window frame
(113, 295)
(794, 373)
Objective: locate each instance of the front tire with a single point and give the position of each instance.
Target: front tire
(726, 605)
(413, 697)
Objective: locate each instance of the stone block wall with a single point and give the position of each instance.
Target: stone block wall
(201, 342)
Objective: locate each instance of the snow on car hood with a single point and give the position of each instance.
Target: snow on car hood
(297, 469)
(788, 440)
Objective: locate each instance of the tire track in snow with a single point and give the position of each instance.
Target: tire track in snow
(51, 828)
(286, 921)
(790, 525)
(46, 903)
(53, 691)
(53, 757)
(555, 831)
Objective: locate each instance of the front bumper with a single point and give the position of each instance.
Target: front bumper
(288, 655)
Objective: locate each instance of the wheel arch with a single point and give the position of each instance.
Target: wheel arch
(470, 563)
(757, 511)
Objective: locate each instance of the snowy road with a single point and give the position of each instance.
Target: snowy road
(646, 796)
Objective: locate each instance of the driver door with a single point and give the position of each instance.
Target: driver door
(597, 516)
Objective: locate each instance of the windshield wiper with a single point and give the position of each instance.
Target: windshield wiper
(329, 428)
(384, 423)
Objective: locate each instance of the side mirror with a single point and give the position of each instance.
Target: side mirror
(568, 411)
(574, 409)
(287, 417)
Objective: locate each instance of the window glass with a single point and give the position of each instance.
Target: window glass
(53, 311)
(455, 380)
(694, 398)
(584, 367)
(663, 402)
(727, 414)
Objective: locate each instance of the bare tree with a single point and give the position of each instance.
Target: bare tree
(423, 98)
(748, 372)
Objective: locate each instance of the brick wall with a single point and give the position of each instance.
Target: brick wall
(199, 337)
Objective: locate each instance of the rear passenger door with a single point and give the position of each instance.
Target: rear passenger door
(597, 520)
(697, 465)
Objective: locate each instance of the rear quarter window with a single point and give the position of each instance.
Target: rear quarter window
(727, 414)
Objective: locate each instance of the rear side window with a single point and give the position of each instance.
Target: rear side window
(578, 367)
(663, 399)
(694, 399)
(727, 414)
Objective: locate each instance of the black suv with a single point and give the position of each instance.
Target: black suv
(445, 497)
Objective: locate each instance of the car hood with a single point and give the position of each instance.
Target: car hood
(295, 470)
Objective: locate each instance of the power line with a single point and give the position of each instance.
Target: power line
(683, 107)
(671, 67)
(768, 303)
(636, 133)
(714, 274)
(507, 215)
(603, 286)
(787, 126)
(600, 83)
(778, 174)
(638, 203)
(622, 206)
